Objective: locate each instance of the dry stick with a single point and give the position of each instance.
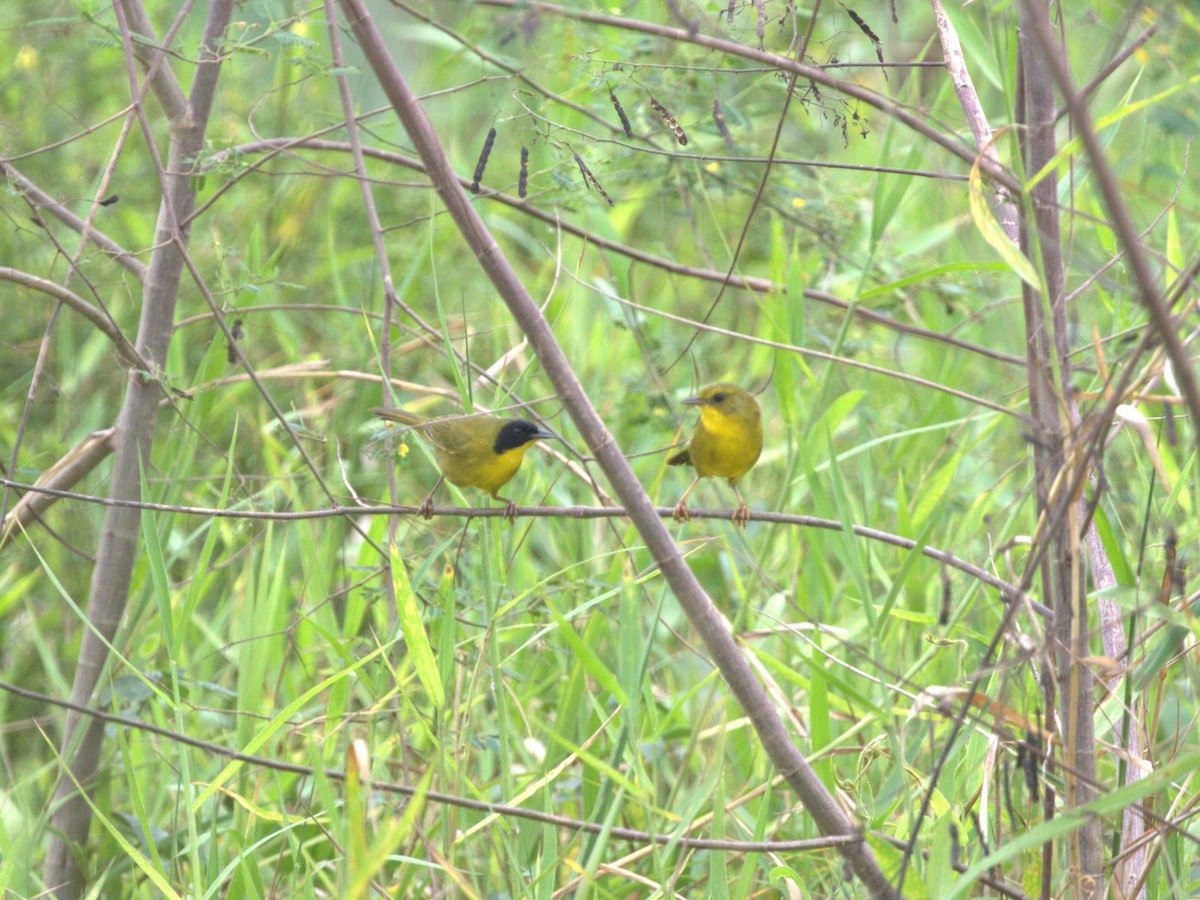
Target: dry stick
(829, 817)
(1128, 871)
(1046, 327)
(1044, 317)
(62, 475)
(42, 200)
(134, 432)
(125, 350)
(536, 512)
(968, 99)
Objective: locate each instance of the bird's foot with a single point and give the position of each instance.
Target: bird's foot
(681, 513)
(741, 515)
(510, 510)
(425, 510)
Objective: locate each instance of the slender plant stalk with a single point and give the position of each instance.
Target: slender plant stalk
(820, 804)
(133, 434)
(1049, 384)
(968, 99)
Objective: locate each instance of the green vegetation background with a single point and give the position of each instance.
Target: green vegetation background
(554, 641)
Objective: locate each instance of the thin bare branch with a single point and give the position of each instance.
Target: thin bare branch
(539, 512)
(43, 201)
(125, 349)
(1001, 176)
(968, 99)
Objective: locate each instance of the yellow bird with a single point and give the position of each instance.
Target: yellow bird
(726, 443)
(478, 451)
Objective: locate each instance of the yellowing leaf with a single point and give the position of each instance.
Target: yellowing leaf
(981, 213)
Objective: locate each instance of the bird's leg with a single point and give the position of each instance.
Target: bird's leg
(425, 510)
(741, 515)
(681, 513)
(510, 508)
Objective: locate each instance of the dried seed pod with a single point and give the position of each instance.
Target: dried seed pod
(670, 120)
(729, 12)
(760, 26)
(620, 113)
(947, 598)
(523, 178)
(235, 332)
(588, 177)
(866, 29)
(583, 170)
(719, 119)
(483, 158)
(1032, 760)
(863, 26)
(1172, 579)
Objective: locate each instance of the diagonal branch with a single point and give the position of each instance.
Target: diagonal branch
(791, 763)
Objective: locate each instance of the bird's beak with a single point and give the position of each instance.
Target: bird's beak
(544, 435)
(694, 401)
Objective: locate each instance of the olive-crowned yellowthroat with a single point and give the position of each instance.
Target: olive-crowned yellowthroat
(478, 451)
(725, 444)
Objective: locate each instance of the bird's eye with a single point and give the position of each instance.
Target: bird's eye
(718, 398)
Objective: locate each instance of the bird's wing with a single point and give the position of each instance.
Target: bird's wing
(442, 436)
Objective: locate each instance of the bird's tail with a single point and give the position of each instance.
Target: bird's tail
(683, 458)
(399, 415)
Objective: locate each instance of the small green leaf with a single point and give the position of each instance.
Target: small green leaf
(409, 614)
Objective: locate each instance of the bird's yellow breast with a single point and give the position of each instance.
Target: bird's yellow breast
(481, 467)
(725, 446)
